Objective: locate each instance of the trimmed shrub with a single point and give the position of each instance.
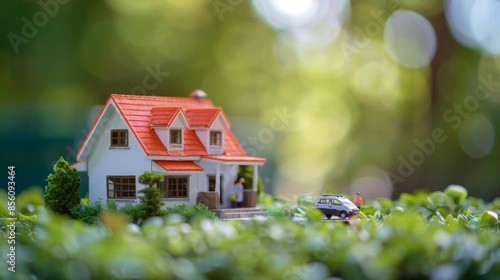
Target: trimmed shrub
(150, 203)
(61, 192)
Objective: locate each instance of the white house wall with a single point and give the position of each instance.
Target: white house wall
(163, 134)
(219, 123)
(179, 121)
(105, 161)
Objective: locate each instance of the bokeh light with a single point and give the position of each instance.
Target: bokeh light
(477, 136)
(475, 23)
(410, 39)
(284, 14)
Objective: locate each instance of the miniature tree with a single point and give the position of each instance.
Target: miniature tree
(61, 192)
(151, 199)
(152, 179)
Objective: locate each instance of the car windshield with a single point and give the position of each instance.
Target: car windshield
(347, 202)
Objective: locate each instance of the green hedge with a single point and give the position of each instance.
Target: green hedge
(408, 238)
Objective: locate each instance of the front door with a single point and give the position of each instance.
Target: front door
(211, 186)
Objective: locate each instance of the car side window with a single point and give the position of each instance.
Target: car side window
(336, 202)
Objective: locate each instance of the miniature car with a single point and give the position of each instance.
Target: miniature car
(336, 205)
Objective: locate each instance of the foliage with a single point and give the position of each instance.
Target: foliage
(152, 179)
(133, 212)
(90, 214)
(61, 192)
(232, 197)
(404, 243)
(150, 203)
(190, 213)
(85, 201)
(246, 171)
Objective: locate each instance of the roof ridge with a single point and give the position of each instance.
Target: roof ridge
(147, 96)
(165, 107)
(204, 108)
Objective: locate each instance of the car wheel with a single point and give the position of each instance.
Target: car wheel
(343, 214)
(328, 216)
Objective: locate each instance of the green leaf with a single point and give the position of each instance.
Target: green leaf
(367, 209)
(408, 198)
(489, 218)
(443, 210)
(456, 192)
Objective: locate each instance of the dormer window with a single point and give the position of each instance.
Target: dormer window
(176, 138)
(119, 138)
(215, 138)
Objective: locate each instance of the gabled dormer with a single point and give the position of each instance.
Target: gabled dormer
(209, 124)
(169, 124)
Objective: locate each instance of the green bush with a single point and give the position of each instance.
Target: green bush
(408, 238)
(190, 213)
(90, 214)
(133, 212)
(61, 192)
(150, 203)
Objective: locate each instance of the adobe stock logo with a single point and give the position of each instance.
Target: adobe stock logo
(455, 117)
(30, 28)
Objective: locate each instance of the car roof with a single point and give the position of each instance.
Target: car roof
(332, 195)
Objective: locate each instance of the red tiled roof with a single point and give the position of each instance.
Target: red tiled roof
(204, 116)
(140, 112)
(178, 165)
(137, 111)
(163, 116)
(232, 146)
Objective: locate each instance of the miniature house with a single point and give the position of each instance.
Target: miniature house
(186, 139)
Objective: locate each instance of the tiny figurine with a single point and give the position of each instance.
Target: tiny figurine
(358, 200)
(336, 205)
(238, 190)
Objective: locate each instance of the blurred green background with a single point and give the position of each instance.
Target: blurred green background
(374, 96)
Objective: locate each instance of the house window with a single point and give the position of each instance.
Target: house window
(121, 186)
(119, 138)
(175, 137)
(215, 138)
(175, 187)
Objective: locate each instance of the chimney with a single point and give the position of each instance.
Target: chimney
(198, 94)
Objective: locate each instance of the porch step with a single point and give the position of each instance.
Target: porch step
(239, 213)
